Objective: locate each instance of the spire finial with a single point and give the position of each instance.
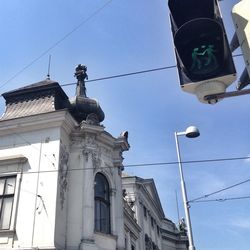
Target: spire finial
(48, 75)
(81, 75)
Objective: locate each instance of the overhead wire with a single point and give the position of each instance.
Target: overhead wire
(219, 191)
(153, 163)
(224, 199)
(85, 20)
(199, 199)
(123, 75)
(107, 167)
(191, 161)
(147, 164)
(142, 165)
(33, 146)
(130, 74)
(92, 80)
(196, 200)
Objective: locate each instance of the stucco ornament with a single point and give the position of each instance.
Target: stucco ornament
(90, 148)
(63, 173)
(94, 154)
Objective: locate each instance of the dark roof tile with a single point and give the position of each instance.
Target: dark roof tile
(41, 97)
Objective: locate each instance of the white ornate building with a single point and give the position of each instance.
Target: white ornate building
(155, 231)
(61, 184)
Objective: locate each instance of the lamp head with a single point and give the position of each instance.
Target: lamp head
(192, 132)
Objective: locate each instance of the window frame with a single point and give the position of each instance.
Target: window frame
(5, 196)
(158, 230)
(12, 165)
(102, 205)
(145, 212)
(152, 222)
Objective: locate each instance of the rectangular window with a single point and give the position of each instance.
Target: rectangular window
(7, 191)
(152, 222)
(145, 211)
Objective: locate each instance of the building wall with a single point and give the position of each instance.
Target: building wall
(33, 213)
(154, 230)
(146, 214)
(172, 238)
(93, 151)
(56, 165)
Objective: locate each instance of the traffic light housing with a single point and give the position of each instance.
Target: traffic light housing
(204, 59)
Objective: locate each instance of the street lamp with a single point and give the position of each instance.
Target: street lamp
(191, 132)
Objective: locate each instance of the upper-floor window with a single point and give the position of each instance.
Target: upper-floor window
(148, 243)
(7, 191)
(152, 222)
(145, 211)
(158, 230)
(102, 204)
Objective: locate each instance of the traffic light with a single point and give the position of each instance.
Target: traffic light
(241, 18)
(204, 59)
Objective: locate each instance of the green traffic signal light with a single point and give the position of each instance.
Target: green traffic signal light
(204, 60)
(200, 46)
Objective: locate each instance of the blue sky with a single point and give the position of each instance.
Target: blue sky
(129, 36)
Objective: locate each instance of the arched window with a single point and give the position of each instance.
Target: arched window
(102, 204)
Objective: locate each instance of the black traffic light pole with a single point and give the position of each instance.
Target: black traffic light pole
(216, 97)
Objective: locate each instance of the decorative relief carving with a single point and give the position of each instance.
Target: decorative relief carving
(109, 169)
(86, 152)
(63, 173)
(81, 140)
(130, 200)
(101, 155)
(96, 159)
(107, 152)
(118, 158)
(90, 140)
(96, 156)
(92, 119)
(76, 142)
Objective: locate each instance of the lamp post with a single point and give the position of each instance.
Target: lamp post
(191, 132)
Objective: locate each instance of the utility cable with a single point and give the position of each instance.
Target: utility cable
(92, 80)
(101, 78)
(189, 162)
(224, 199)
(237, 55)
(29, 143)
(146, 164)
(57, 42)
(130, 74)
(135, 165)
(123, 75)
(219, 191)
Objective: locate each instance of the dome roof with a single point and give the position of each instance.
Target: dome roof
(82, 107)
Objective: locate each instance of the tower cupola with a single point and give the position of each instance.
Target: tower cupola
(82, 107)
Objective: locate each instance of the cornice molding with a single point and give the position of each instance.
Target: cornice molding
(12, 159)
(40, 121)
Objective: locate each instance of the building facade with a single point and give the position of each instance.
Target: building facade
(61, 183)
(155, 231)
